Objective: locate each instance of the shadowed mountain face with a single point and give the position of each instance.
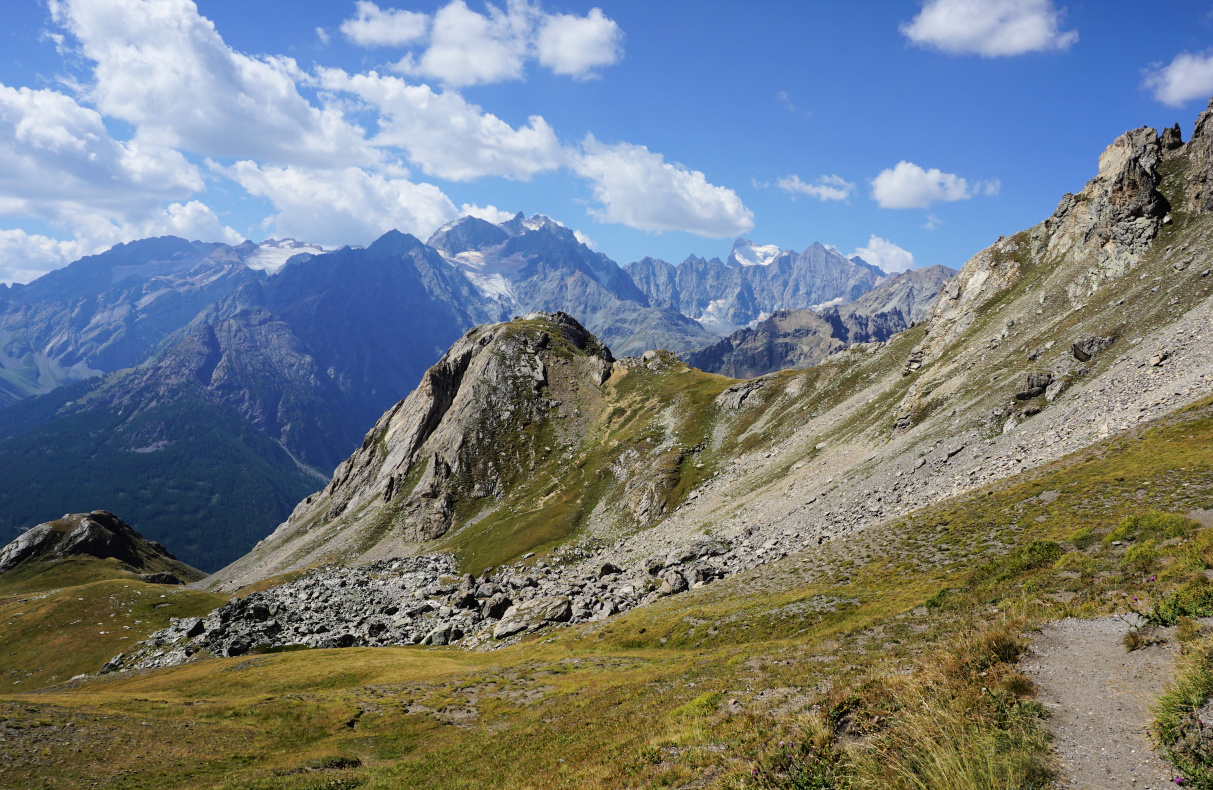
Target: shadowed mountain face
(800, 338)
(755, 282)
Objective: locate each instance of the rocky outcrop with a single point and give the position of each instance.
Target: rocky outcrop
(1086, 347)
(99, 534)
(1100, 232)
(467, 431)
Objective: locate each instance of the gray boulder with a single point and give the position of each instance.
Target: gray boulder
(533, 614)
(1033, 384)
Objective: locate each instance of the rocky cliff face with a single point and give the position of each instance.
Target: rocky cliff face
(724, 297)
(478, 420)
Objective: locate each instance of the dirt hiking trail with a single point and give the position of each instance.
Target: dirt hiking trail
(1099, 698)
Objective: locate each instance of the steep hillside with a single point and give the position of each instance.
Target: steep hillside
(800, 338)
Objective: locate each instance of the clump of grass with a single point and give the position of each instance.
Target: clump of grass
(1153, 524)
(1136, 638)
(703, 705)
(1179, 729)
(1188, 630)
(969, 723)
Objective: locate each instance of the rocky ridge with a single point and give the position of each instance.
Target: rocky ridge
(101, 535)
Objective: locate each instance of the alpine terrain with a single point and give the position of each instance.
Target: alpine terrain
(904, 540)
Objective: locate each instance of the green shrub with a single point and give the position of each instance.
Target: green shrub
(1142, 557)
(1193, 599)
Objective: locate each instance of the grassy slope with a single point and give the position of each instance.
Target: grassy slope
(644, 699)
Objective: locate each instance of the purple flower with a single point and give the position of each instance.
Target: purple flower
(1179, 780)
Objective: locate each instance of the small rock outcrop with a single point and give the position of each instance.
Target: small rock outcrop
(1087, 347)
(98, 534)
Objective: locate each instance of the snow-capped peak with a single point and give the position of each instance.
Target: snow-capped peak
(272, 254)
(747, 253)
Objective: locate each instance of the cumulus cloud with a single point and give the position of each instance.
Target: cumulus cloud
(1185, 78)
(885, 254)
(488, 213)
(576, 45)
(445, 135)
(469, 48)
(163, 67)
(638, 188)
(341, 206)
(584, 239)
(909, 186)
(466, 47)
(825, 188)
(990, 28)
(371, 26)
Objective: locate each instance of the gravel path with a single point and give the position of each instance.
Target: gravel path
(1100, 697)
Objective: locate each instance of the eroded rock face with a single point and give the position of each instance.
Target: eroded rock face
(462, 434)
(1086, 347)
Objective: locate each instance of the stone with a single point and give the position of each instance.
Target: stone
(608, 569)
(496, 606)
(653, 566)
(1086, 347)
(672, 583)
(443, 635)
(466, 600)
(735, 396)
(533, 614)
(1054, 390)
(160, 578)
(1033, 384)
(1159, 358)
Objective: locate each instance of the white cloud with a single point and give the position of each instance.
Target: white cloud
(885, 254)
(826, 188)
(445, 135)
(57, 158)
(576, 45)
(323, 35)
(584, 239)
(488, 213)
(371, 26)
(991, 28)
(1185, 78)
(163, 68)
(638, 188)
(909, 186)
(341, 206)
(470, 48)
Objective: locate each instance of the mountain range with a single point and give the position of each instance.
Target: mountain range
(127, 375)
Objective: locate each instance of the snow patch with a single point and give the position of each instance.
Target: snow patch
(272, 254)
(749, 254)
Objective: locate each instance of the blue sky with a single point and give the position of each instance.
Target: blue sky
(895, 129)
